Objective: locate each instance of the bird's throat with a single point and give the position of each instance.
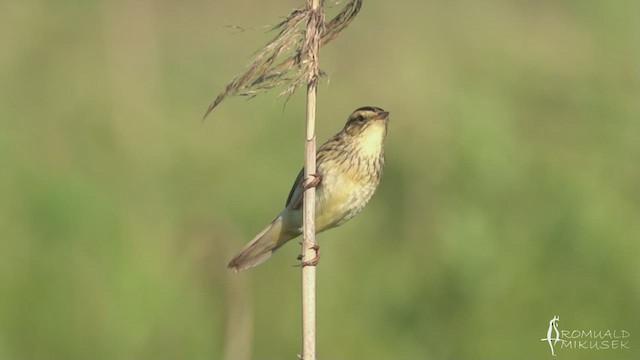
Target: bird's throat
(370, 142)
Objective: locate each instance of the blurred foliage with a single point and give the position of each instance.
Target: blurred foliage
(510, 195)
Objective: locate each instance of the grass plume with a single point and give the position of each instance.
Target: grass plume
(282, 61)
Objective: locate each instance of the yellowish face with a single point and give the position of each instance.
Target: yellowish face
(368, 127)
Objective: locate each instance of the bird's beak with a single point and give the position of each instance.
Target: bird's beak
(381, 116)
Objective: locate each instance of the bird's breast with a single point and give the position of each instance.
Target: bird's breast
(341, 195)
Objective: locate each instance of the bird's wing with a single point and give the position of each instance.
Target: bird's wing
(295, 195)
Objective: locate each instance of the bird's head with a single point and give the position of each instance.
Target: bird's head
(368, 127)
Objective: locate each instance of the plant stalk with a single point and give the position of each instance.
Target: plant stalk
(309, 229)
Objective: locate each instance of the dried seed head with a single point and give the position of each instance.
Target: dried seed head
(289, 59)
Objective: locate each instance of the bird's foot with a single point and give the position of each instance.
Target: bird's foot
(315, 260)
(312, 181)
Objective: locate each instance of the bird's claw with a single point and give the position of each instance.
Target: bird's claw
(312, 181)
(312, 262)
(315, 260)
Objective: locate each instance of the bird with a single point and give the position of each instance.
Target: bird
(348, 171)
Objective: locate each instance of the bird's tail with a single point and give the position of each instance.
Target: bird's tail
(260, 248)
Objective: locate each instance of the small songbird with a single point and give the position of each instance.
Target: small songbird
(348, 170)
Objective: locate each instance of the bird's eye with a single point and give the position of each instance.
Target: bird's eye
(360, 119)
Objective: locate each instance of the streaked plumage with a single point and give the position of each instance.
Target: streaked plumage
(349, 165)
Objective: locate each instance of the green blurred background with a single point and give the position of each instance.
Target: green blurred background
(510, 193)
